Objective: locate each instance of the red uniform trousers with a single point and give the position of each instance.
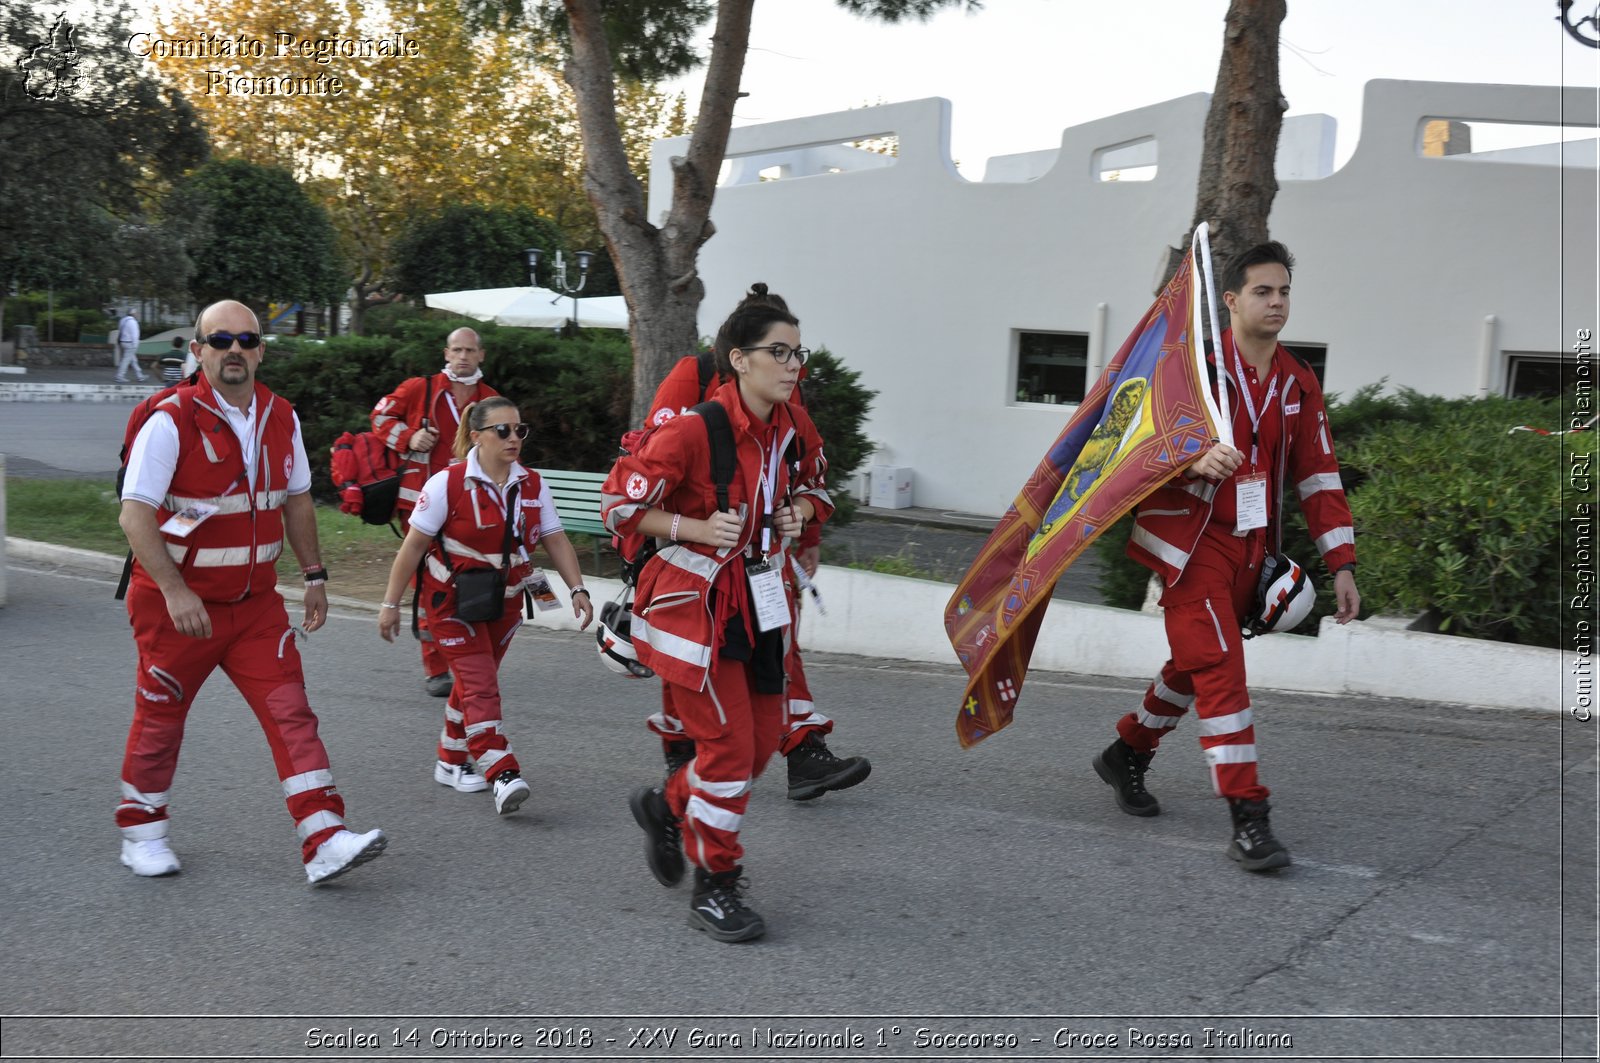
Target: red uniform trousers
(472, 721)
(800, 715)
(433, 662)
(735, 731)
(1203, 610)
(252, 643)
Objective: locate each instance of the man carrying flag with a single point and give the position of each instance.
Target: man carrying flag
(1141, 423)
(1206, 534)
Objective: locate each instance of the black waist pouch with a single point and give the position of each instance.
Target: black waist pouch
(480, 594)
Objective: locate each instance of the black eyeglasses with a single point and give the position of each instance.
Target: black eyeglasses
(221, 341)
(782, 352)
(504, 430)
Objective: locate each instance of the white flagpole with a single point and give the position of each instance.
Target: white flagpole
(1201, 250)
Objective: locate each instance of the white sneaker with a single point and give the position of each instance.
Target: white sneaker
(463, 778)
(342, 852)
(509, 792)
(152, 857)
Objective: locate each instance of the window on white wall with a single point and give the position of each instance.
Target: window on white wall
(1538, 376)
(1550, 144)
(1052, 367)
(1134, 160)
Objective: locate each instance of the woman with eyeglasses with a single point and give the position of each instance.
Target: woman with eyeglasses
(712, 609)
(474, 531)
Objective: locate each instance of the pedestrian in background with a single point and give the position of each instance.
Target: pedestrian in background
(128, 347)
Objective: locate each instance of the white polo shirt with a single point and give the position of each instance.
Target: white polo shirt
(433, 507)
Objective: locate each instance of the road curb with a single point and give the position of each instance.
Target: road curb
(111, 565)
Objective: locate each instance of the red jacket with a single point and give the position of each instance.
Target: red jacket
(400, 414)
(1297, 447)
(680, 391)
(473, 536)
(673, 629)
(232, 554)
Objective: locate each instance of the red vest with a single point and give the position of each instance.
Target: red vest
(232, 554)
(473, 536)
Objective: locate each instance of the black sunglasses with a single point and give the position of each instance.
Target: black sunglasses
(221, 341)
(504, 430)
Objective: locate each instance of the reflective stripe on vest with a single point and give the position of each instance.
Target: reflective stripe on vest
(226, 556)
(676, 646)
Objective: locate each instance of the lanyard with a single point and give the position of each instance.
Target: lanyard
(769, 485)
(1249, 403)
(510, 516)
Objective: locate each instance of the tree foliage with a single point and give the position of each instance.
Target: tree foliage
(264, 238)
(469, 246)
(89, 141)
(838, 404)
(478, 117)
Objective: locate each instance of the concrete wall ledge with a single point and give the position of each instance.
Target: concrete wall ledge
(873, 615)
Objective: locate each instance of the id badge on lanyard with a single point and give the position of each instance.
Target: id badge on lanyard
(766, 578)
(1250, 491)
(1251, 499)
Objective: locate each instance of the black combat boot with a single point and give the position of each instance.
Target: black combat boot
(678, 753)
(814, 770)
(718, 907)
(1253, 844)
(1123, 770)
(663, 842)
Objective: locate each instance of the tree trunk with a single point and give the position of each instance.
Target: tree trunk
(655, 266)
(1237, 165)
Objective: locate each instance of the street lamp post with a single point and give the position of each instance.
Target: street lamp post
(558, 282)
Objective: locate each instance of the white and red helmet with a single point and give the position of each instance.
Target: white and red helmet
(1285, 598)
(616, 644)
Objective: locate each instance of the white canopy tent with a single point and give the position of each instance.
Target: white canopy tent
(533, 307)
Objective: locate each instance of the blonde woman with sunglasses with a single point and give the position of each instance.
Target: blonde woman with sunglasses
(473, 532)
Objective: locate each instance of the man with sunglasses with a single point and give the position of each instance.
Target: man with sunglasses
(411, 421)
(217, 479)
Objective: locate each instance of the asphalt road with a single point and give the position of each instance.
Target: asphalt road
(1442, 902)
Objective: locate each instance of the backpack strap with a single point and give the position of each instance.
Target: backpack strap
(136, 421)
(707, 365)
(724, 456)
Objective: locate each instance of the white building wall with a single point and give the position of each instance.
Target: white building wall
(919, 278)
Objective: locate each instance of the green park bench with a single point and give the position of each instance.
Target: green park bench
(577, 499)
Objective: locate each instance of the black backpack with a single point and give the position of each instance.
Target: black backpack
(637, 548)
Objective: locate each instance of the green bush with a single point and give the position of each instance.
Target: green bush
(1365, 414)
(70, 324)
(387, 318)
(838, 404)
(1460, 518)
(575, 392)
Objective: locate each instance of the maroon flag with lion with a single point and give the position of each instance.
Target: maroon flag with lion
(1142, 423)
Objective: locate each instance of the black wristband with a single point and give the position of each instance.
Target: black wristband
(583, 590)
(1348, 566)
(317, 575)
